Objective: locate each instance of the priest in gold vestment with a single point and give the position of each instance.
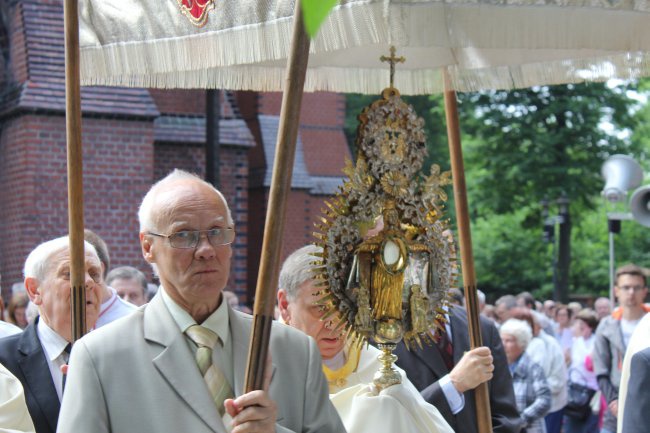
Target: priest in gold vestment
(349, 367)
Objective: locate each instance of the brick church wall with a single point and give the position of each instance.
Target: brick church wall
(118, 162)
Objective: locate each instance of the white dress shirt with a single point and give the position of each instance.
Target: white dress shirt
(54, 348)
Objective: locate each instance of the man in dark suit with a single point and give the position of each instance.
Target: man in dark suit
(636, 416)
(446, 375)
(36, 355)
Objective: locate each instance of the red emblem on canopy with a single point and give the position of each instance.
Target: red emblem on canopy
(196, 10)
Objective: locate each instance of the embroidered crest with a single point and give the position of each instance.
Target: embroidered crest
(196, 10)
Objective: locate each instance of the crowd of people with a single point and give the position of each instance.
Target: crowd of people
(174, 359)
(576, 352)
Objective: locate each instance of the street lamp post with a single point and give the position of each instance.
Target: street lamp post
(614, 226)
(562, 250)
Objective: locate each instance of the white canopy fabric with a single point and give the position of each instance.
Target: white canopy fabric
(485, 44)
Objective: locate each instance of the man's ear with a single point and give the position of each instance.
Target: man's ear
(283, 306)
(146, 244)
(32, 286)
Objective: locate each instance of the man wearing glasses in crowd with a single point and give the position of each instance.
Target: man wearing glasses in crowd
(613, 335)
(178, 363)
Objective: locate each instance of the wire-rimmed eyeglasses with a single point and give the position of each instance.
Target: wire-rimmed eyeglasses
(190, 238)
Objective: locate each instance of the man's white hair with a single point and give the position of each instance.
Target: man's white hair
(518, 329)
(297, 269)
(146, 207)
(36, 264)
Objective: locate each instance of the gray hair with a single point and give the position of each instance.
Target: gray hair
(128, 273)
(36, 264)
(518, 329)
(603, 300)
(101, 248)
(297, 269)
(146, 207)
(509, 301)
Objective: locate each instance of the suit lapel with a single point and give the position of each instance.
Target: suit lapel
(174, 361)
(240, 330)
(240, 333)
(431, 357)
(459, 333)
(430, 354)
(37, 375)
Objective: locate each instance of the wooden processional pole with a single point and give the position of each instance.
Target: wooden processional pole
(483, 415)
(280, 188)
(75, 169)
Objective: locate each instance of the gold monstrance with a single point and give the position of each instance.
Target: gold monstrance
(388, 258)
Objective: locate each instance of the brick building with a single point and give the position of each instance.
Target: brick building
(132, 137)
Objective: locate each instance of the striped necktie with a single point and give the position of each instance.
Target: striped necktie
(217, 383)
(446, 349)
(66, 358)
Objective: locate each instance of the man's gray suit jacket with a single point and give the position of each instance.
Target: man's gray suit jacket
(139, 375)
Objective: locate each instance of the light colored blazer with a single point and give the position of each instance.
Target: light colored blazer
(636, 417)
(139, 375)
(639, 341)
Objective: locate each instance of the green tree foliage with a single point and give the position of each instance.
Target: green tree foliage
(641, 130)
(509, 259)
(525, 145)
(590, 266)
(545, 142)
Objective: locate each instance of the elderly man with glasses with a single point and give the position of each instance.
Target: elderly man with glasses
(613, 336)
(178, 363)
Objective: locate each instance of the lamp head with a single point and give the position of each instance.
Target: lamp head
(621, 173)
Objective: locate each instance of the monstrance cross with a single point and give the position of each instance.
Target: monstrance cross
(392, 60)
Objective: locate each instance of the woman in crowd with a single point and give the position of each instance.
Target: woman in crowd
(580, 371)
(528, 380)
(16, 310)
(564, 334)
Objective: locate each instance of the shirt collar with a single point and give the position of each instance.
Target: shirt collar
(109, 302)
(515, 365)
(217, 322)
(53, 344)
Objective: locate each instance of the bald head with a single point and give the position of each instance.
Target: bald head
(162, 196)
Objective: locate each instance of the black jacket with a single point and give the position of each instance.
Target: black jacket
(425, 367)
(22, 354)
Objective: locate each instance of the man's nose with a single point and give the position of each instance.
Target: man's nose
(329, 324)
(89, 281)
(204, 248)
